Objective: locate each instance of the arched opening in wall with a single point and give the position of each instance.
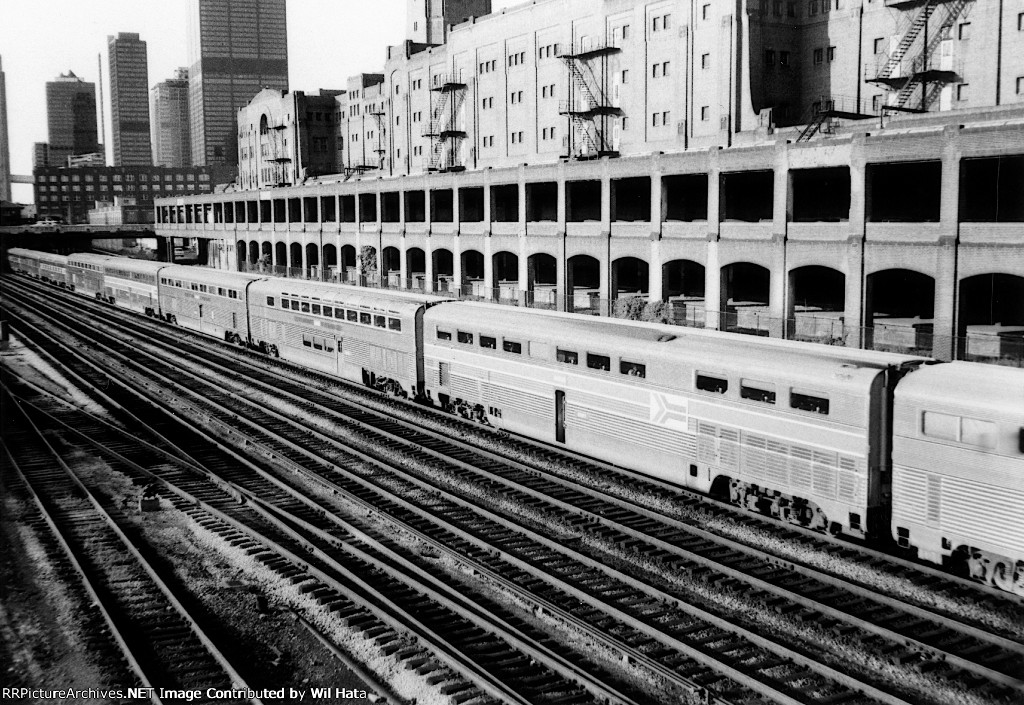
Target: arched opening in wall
(281, 254)
(746, 290)
(817, 303)
(312, 261)
(240, 255)
(331, 262)
(898, 308)
(254, 252)
(295, 258)
(369, 266)
(472, 273)
(990, 320)
(629, 288)
(348, 265)
(444, 264)
(542, 280)
(682, 290)
(266, 255)
(506, 276)
(582, 285)
(391, 267)
(416, 268)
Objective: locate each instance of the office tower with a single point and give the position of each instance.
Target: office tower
(5, 152)
(169, 120)
(236, 49)
(129, 104)
(70, 118)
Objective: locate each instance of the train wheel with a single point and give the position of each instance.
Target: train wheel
(1003, 575)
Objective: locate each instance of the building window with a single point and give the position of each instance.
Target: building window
(625, 120)
(790, 9)
(880, 44)
(830, 54)
(705, 12)
(1020, 22)
(812, 8)
(965, 31)
(655, 24)
(769, 57)
(705, 113)
(654, 70)
(625, 75)
(961, 91)
(1020, 85)
(783, 58)
(705, 61)
(876, 103)
(819, 56)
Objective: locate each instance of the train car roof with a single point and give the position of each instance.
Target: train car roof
(208, 275)
(972, 385)
(130, 264)
(603, 332)
(341, 294)
(88, 257)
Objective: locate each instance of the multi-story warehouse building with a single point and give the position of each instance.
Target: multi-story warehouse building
(836, 171)
(236, 49)
(285, 138)
(169, 121)
(129, 104)
(68, 193)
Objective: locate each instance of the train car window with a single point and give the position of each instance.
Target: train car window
(567, 356)
(233, 294)
(633, 369)
(328, 345)
(307, 340)
(394, 324)
(220, 291)
(339, 313)
(316, 310)
(202, 288)
(177, 283)
(318, 343)
(270, 301)
(328, 312)
(599, 362)
(305, 307)
(1020, 440)
(511, 346)
(295, 305)
(942, 426)
(464, 337)
(443, 335)
(352, 316)
(380, 321)
(757, 391)
(976, 432)
(487, 341)
(194, 286)
(365, 318)
(710, 383)
(808, 401)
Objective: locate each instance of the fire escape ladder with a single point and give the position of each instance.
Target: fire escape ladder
(920, 69)
(380, 150)
(820, 117)
(907, 40)
(448, 93)
(589, 108)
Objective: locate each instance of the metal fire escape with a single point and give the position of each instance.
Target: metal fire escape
(589, 108)
(447, 93)
(902, 75)
(279, 154)
(379, 117)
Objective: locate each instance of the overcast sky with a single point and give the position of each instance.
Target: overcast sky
(328, 40)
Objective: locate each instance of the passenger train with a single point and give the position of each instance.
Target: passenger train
(868, 444)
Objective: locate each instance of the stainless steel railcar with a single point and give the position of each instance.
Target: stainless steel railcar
(958, 469)
(367, 337)
(772, 424)
(132, 283)
(211, 301)
(48, 267)
(86, 273)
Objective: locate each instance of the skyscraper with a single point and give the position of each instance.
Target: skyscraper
(236, 49)
(169, 118)
(70, 117)
(129, 104)
(5, 152)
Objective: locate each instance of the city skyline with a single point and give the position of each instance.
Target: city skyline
(78, 32)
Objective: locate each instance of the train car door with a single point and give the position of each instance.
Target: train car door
(341, 357)
(560, 416)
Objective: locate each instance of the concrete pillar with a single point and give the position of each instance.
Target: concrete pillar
(944, 345)
(522, 199)
(655, 283)
(428, 262)
(403, 268)
(488, 268)
(606, 199)
(778, 283)
(487, 207)
(457, 262)
(561, 202)
(853, 306)
(714, 297)
(456, 209)
(524, 273)
(656, 204)
(563, 282)
(604, 286)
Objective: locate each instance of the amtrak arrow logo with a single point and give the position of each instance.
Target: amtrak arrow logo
(669, 410)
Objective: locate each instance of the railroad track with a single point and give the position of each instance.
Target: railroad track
(161, 641)
(725, 567)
